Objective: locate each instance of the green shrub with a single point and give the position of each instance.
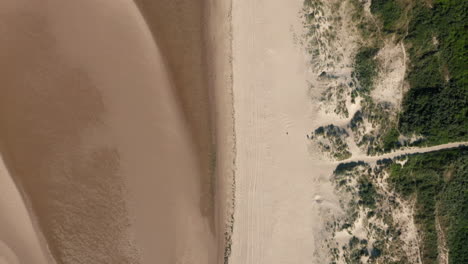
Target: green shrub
(436, 105)
(390, 12)
(367, 193)
(365, 69)
(390, 140)
(438, 180)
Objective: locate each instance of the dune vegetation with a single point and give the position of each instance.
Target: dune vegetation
(434, 34)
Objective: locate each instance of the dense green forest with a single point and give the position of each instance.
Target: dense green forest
(435, 36)
(439, 183)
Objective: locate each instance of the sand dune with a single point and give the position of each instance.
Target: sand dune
(110, 146)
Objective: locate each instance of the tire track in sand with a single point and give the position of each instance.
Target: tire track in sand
(276, 216)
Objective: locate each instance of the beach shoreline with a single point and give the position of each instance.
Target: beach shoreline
(218, 39)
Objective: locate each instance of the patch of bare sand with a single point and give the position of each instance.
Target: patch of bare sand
(390, 84)
(277, 216)
(92, 130)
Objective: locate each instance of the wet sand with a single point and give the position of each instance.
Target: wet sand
(105, 127)
(180, 27)
(18, 238)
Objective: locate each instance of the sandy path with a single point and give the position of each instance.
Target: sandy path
(276, 218)
(363, 157)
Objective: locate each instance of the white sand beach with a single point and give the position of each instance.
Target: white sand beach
(277, 218)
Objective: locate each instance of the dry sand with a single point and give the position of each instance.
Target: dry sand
(277, 216)
(180, 27)
(108, 145)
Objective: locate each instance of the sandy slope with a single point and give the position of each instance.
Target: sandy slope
(277, 218)
(92, 130)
